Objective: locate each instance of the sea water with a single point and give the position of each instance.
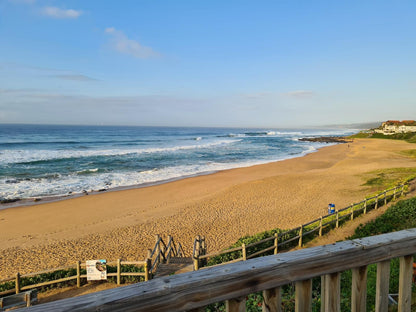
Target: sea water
(45, 160)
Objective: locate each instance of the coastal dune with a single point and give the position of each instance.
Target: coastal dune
(222, 207)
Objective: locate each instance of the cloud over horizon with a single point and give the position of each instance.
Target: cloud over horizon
(301, 94)
(58, 13)
(121, 43)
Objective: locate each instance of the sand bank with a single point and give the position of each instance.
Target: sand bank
(222, 206)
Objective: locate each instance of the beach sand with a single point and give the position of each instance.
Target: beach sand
(222, 207)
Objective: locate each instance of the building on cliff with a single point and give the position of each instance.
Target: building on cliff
(396, 126)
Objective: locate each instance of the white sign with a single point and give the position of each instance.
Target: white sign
(96, 270)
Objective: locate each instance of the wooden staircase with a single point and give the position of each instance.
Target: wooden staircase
(168, 258)
(175, 265)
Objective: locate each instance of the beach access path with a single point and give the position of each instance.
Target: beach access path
(223, 207)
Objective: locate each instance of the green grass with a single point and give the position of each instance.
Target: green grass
(409, 153)
(398, 217)
(409, 137)
(388, 178)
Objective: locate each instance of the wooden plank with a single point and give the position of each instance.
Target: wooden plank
(236, 305)
(323, 298)
(405, 284)
(382, 286)
(333, 292)
(260, 252)
(196, 289)
(311, 231)
(213, 254)
(260, 242)
(138, 263)
(272, 300)
(65, 279)
(303, 296)
(359, 289)
(133, 274)
(6, 292)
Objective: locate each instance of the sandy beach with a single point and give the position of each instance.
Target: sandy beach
(222, 206)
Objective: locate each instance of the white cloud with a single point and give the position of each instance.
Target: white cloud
(121, 43)
(55, 12)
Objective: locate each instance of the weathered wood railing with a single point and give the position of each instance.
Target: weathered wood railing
(162, 252)
(77, 275)
(296, 236)
(233, 282)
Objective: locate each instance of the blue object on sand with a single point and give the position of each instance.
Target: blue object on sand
(331, 208)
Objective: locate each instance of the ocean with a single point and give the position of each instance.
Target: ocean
(46, 161)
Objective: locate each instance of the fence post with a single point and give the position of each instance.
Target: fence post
(405, 283)
(382, 286)
(203, 246)
(352, 212)
(359, 289)
(243, 246)
(17, 283)
(118, 271)
(402, 190)
(376, 206)
(196, 254)
(236, 304)
(272, 300)
(303, 296)
(320, 226)
(78, 274)
(147, 267)
(337, 223)
(276, 243)
(365, 206)
(158, 247)
(385, 198)
(394, 193)
(300, 235)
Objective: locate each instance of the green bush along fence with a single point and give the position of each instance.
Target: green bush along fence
(272, 242)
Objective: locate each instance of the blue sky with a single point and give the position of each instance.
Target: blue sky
(207, 63)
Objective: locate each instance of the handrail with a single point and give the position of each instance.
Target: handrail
(308, 228)
(233, 282)
(163, 252)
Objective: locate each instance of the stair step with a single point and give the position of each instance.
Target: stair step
(176, 264)
(180, 260)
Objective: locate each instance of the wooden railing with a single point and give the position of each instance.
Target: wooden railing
(162, 252)
(296, 236)
(233, 282)
(78, 276)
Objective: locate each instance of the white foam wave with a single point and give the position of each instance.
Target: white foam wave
(22, 156)
(75, 183)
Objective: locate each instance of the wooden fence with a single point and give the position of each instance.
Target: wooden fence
(77, 275)
(233, 282)
(161, 253)
(294, 237)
